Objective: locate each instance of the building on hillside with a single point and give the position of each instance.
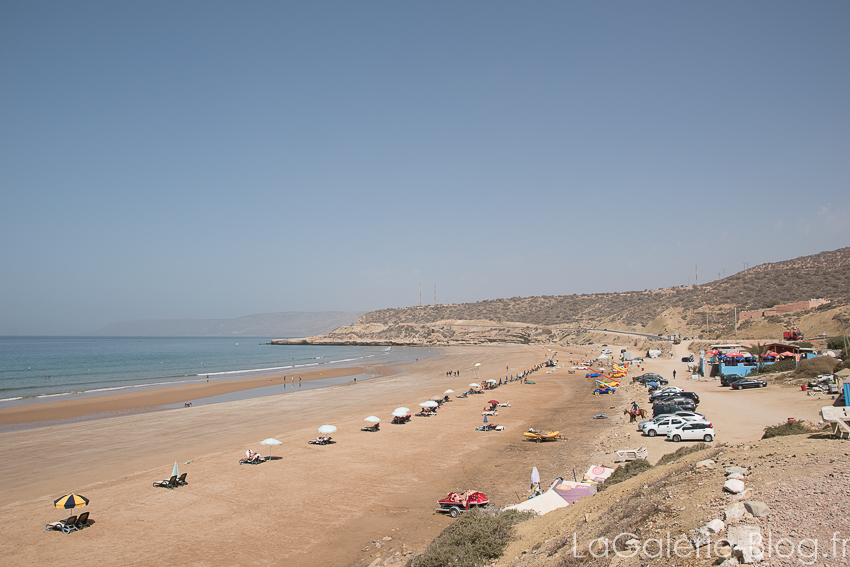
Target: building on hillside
(732, 359)
(782, 308)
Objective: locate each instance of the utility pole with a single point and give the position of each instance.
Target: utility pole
(435, 294)
(420, 293)
(696, 274)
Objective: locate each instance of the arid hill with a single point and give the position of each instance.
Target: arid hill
(706, 310)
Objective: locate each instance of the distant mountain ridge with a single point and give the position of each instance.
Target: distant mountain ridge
(708, 310)
(283, 324)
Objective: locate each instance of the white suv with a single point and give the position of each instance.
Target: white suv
(667, 424)
(692, 431)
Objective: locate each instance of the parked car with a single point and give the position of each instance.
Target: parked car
(648, 377)
(691, 395)
(748, 383)
(666, 390)
(684, 405)
(686, 415)
(692, 431)
(688, 358)
(663, 425)
(727, 379)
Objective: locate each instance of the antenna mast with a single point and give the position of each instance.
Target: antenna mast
(420, 293)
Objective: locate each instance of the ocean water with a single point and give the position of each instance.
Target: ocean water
(36, 369)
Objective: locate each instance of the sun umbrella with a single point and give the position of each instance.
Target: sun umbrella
(401, 409)
(491, 381)
(436, 398)
(474, 385)
(485, 419)
(449, 392)
(70, 501)
(397, 413)
(327, 429)
(493, 402)
(429, 404)
(535, 475)
(175, 471)
(373, 419)
(270, 441)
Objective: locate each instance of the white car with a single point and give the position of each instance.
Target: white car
(667, 424)
(692, 431)
(683, 414)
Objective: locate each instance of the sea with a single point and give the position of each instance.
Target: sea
(39, 369)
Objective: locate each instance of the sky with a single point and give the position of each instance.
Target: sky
(209, 159)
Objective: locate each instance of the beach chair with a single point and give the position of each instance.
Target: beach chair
(64, 526)
(169, 484)
(839, 419)
(182, 480)
(624, 455)
(82, 521)
(372, 428)
(251, 461)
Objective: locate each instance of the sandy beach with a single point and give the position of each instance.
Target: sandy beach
(325, 505)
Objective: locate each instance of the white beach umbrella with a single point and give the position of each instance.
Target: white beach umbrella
(474, 385)
(449, 392)
(373, 419)
(270, 441)
(401, 409)
(326, 429)
(397, 413)
(175, 471)
(535, 475)
(491, 380)
(437, 398)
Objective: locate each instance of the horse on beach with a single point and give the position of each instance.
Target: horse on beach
(633, 415)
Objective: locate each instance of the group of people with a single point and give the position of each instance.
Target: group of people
(453, 373)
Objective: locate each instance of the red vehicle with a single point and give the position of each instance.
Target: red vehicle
(456, 503)
(793, 335)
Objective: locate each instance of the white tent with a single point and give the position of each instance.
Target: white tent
(542, 504)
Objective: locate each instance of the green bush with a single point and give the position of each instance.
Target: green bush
(813, 367)
(625, 472)
(784, 365)
(787, 428)
(472, 540)
(681, 452)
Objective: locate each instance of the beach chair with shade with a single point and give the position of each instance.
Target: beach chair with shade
(624, 455)
(169, 484)
(64, 526)
(182, 480)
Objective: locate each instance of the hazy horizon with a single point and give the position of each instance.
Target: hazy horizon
(211, 160)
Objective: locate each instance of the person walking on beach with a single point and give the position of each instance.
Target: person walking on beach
(208, 378)
(674, 375)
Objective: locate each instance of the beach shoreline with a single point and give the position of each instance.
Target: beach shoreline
(327, 505)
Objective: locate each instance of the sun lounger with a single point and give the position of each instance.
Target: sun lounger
(169, 484)
(64, 526)
(320, 441)
(370, 428)
(182, 480)
(839, 419)
(82, 521)
(251, 461)
(624, 455)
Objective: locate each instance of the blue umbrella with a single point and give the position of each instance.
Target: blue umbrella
(485, 419)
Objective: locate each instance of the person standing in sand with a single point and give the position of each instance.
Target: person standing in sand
(674, 375)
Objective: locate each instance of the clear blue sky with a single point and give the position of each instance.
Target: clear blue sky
(218, 159)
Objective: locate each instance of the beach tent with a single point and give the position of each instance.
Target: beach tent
(542, 504)
(572, 491)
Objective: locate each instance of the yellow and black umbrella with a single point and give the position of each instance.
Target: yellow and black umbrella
(71, 501)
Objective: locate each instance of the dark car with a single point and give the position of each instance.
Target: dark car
(688, 358)
(675, 400)
(691, 395)
(727, 379)
(647, 378)
(684, 405)
(748, 383)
